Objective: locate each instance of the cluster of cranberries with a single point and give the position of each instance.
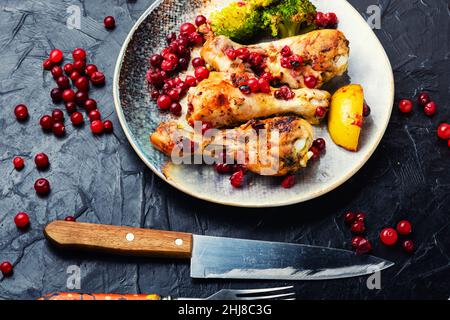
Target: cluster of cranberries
(284, 93)
(254, 59)
(289, 60)
(249, 85)
(389, 236)
(79, 75)
(317, 148)
(41, 186)
(326, 20)
(429, 108)
(168, 87)
(237, 172)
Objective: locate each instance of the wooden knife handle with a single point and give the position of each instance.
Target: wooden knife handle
(122, 240)
(98, 296)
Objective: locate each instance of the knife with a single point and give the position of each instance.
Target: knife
(216, 257)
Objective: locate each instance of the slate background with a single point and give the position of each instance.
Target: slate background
(100, 179)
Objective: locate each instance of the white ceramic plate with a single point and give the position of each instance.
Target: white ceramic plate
(368, 66)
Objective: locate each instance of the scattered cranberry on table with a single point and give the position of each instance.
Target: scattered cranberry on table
(430, 108)
(79, 65)
(361, 217)
(63, 82)
(57, 115)
(56, 95)
(79, 54)
(349, 217)
(90, 69)
(443, 131)
(98, 78)
(164, 102)
(68, 95)
(46, 122)
(47, 64)
(81, 97)
(408, 246)
(42, 187)
(97, 127)
(94, 115)
(109, 22)
(363, 246)
(405, 106)
(22, 220)
(288, 182)
(358, 227)
(68, 68)
(70, 218)
(21, 112)
(388, 236)
(41, 161)
(6, 268)
(58, 129)
(108, 126)
(90, 104)
(404, 227)
(18, 163)
(82, 83)
(56, 72)
(423, 99)
(71, 107)
(77, 118)
(56, 56)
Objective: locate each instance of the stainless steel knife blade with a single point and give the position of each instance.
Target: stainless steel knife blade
(215, 257)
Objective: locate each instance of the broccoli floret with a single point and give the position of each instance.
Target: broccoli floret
(289, 18)
(239, 20)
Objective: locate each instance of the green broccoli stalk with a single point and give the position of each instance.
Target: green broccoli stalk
(289, 18)
(238, 21)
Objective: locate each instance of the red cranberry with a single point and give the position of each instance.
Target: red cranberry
(443, 131)
(18, 163)
(405, 106)
(430, 108)
(200, 20)
(22, 220)
(255, 59)
(366, 110)
(154, 94)
(264, 86)
(79, 54)
(90, 69)
(183, 63)
(285, 62)
(68, 68)
(267, 76)
(57, 115)
(358, 227)
(316, 153)
(242, 53)
(70, 219)
(320, 144)
(404, 227)
(237, 179)
(198, 62)
(356, 241)
(41, 161)
(223, 168)
(320, 112)
(82, 83)
(196, 39)
(231, 53)
(6, 268)
(201, 73)
(109, 22)
(21, 112)
(47, 64)
(364, 246)
(245, 89)
(286, 51)
(81, 97)
(42, 187)
(295, 61)
(71, 107)
(94, 115)
(288, 182)
(56, 56)
(46, 122)
(190, 81)
(98, 78)
(253, 84)
(171, 37)
(310, 82)
(57, 72)
(187, 28)
(155, 60)
(332, 20)
(361, 217)
(79, 65)
(164, 102)
(58, 129)
(388, 236)
(169, 66)
(97, 127)
(74, 75)
(174, 94)
(76, 118)
(56, 95)
(349, 217)
(175, 108)
(320, 20)
(90, 104)
(108, 126)
(63, 82)
(68, 95)
(423, 99)
(408, 246)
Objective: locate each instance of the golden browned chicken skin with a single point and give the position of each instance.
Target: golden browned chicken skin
(325, 54)
(217, 101)
(280, 149)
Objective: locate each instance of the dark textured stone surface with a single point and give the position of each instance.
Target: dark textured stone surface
(100, 179)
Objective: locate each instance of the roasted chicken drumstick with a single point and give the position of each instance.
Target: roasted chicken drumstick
(219, 102)
(280, 149)
(324, 53)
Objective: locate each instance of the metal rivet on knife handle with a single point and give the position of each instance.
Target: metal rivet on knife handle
(123, 240)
